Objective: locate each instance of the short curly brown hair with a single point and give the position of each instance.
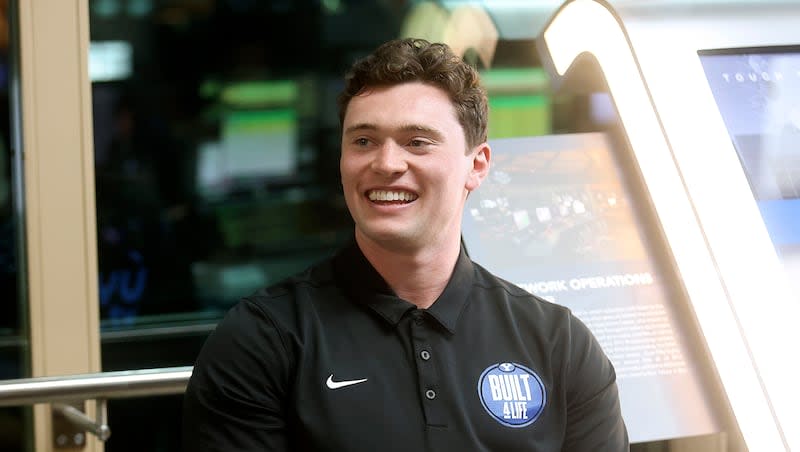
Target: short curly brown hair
(417, 60)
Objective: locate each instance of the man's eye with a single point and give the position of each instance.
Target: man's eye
(417, 143)
(362, 141)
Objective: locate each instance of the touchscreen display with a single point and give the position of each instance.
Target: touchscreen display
(555, 217)
(758, 95)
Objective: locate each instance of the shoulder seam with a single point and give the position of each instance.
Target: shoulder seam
(496, 286)
(275, 325)
(505, 289)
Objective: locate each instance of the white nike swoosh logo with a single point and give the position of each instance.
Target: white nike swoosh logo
(341, 384)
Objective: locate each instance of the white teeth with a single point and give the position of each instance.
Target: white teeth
(384, 195)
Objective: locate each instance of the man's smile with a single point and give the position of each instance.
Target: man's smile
(391, 196)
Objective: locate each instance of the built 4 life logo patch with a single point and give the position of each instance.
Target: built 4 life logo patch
(512, 394)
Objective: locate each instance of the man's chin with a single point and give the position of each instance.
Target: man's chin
(389, 238)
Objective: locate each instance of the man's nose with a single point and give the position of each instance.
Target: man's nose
(390, 159)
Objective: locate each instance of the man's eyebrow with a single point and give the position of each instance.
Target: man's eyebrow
(360, 126)
(435, 133)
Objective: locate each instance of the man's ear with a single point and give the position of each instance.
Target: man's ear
(481, 157)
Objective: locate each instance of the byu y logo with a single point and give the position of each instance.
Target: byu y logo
(512, 394)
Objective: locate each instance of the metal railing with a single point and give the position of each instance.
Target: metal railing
(100, 387)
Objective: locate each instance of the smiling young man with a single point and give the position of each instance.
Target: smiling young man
(400, 342)
(406, 171)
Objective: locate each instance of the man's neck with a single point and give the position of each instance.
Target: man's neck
(417, 276)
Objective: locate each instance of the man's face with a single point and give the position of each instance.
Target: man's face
(405, 167)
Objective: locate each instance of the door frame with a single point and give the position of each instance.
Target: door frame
(59, 196)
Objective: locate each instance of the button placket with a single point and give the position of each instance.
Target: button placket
(427, 375)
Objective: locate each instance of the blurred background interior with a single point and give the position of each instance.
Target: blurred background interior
(216, 161)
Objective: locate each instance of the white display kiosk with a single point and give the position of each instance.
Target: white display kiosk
(708, 96)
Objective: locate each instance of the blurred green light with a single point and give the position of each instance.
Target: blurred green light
(260, 93)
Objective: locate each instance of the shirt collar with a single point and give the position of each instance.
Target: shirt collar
(363, 284)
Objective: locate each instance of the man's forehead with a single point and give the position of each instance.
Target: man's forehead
(402, 109)
(408, 93)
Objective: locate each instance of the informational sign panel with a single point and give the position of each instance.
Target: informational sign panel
(758, 96)
(556, 218)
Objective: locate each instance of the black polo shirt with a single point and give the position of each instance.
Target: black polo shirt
(333, 360)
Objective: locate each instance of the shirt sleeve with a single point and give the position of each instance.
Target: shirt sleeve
(236, 397)
(594, 417)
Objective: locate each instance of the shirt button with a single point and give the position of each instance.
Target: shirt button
(430, 394)
(425, 355)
